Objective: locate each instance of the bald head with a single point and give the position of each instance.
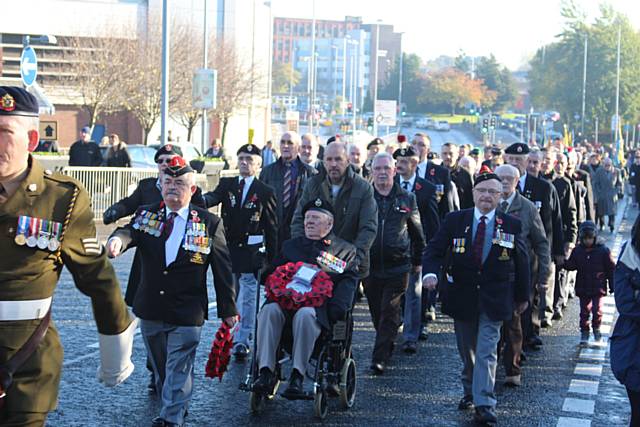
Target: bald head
(335, 161)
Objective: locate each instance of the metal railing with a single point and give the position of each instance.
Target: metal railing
(106, 186)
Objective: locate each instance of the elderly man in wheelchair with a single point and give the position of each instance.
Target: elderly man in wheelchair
(323, 254)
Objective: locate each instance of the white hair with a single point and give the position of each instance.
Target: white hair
(508, 170)
(295, 136)
(384, 155)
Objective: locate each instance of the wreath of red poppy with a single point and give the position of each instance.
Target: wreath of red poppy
(220, 353)
(290, 299)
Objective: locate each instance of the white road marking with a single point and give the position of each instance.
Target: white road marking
(583, 406)
(607, 318)
(588, 369)
(573, 422)
(584, 387)
(593, 354)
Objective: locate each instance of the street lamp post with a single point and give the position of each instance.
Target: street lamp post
(375, 80)
(164, 100)
(205, 45)
(400, 84)
(313, 67)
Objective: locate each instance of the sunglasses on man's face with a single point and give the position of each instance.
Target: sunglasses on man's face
(161, 161)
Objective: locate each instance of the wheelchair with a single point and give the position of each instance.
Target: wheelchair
(334, 369)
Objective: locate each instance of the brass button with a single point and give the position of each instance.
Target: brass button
(161, 292)
(165, 272)
(11, 230)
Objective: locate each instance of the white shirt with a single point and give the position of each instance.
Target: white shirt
(172, 245)
(411, 182)
(422, 169)
(488, 216)
(523, 178)
(247, 183)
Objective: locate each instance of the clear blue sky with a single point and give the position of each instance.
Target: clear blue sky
(510, 29)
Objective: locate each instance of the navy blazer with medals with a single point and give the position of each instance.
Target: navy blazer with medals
(247, 224)
(544, 195)
(427, 201)
(466, 289)
(177, 293)
(440, 175)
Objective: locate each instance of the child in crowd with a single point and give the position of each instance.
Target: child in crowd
(592, 259)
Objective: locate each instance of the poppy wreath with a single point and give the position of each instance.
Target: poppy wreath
(290, 299)
(220, 353)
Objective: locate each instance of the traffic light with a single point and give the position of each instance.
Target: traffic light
(492, 125)
(485, 125)
(350, 107)
(370, 122)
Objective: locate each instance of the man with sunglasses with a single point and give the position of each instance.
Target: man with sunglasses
(147, 192)
(288, 177)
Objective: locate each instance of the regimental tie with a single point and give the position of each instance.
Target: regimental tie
(405, 185)
(504, 205)
(168, 224)
(478, 241)
(286, 194)
(3, 194)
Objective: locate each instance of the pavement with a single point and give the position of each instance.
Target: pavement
(563, 385)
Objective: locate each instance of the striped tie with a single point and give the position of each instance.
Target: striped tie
(286, 188)
(168, 224)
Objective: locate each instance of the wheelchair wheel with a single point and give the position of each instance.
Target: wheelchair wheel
(320, 404)
(348, 384)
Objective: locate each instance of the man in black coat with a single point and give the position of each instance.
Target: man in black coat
(287, 176)
(581, 182)
(417, 304)
(545, 197)
(460, 177)
(485, 278)
(634, 176)
(250, 223)
(178, 242)
(436, 174)
(322, 250)
(147, 192)
(85, 152)
(395, 254)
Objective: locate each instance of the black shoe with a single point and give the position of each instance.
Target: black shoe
(294, 390)
(485, 415)
(611, 228)
(377, 368)
(535, 342)
(423, 334)
(557, 315)
(466, 403)
(546, 323)
(158, 422)
(241, 352)
(410, 347)
(265, 382)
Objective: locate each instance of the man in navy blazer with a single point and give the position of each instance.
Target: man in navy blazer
(483, 266)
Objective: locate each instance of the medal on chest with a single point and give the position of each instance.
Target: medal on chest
(148, 222)
(196, 238)
(331, 262)
(37, 232)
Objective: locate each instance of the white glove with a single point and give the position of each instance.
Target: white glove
(115, 356)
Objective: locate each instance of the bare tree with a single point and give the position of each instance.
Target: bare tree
(182, 109)
(92, 70)
(236, 82)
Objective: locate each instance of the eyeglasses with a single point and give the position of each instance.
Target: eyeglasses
(487, 191)
(161, 161)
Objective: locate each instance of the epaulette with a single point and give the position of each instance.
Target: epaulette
(61, 178)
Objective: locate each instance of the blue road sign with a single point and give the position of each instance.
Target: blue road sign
(28, 66)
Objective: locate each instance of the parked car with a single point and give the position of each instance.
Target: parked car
(142, 156)
(189, 152)
(443, 126)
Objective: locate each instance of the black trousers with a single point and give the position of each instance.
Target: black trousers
(634, 401)
(385, 304)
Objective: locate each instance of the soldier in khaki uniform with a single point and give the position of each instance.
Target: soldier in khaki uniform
(46, 223)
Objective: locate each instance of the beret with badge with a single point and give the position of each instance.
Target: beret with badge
(517, 148)
(319, 205)
(177, 167)
(167, 149)
(485, 174)
(375, 141)
(16, 101)
(404, 152)
(249, 149)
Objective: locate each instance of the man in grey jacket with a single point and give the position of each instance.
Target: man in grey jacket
(356, 212)
(525, 327)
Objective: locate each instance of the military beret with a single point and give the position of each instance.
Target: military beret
(249, 149)
(375, 141)
(332, 138)
(496, 151)
(485, 174)
(404, 152)
(319, 205)
(177, 167)
(475, 152)
(169, 149)
(16, 101)
(517, 148)
(402, 138)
